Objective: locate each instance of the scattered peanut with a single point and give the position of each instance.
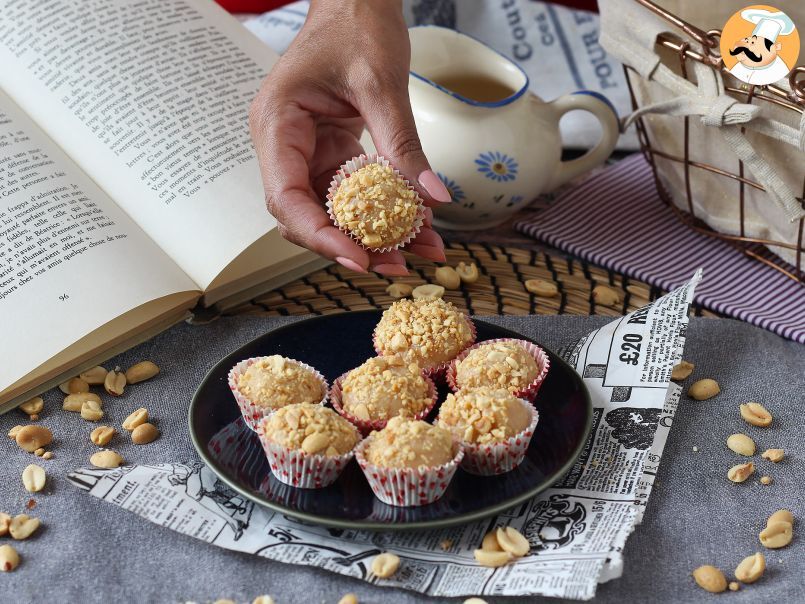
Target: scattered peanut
(348, 599)
(765, 480)
(5, 520)
(606, 296)
(23, 526)
(741, 444)
(468, 273)
(9, 558)
(775, 455)
(74, 402)
(490, 542)
(144, 370)
(146, 433)
(34, 417)
(682, 371)
(91, 411)
(33, 478)
(385, 565)
(136, 418)
(94, 376)
(751, 568)
(74, 386)
(755, 414)
(263, 600)
(30, 438)
(512, 541)
(734, 586)
(447, 277)
(115, 382)
(781, 516)
(32, 407)
(541, 288)
(102, 435)
(492, 559)
(474, 600)
(776, 534)
(13, 432)
(446, 544)
(106, 459)
(399, 290)
(39, 452)
(47, 455)
(428, 291)
(740, 472)
(701, 390)
(710, 579)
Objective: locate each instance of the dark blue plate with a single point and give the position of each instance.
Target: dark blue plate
(334, 344)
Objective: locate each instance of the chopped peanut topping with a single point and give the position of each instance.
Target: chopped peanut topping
(276, 381)
(376, 205)
(314, 429)
(426, 332)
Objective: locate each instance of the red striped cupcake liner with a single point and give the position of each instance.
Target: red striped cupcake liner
(355, 164)
(408, 487)
(437, 372)
(499, 458)
(252, 413)
(367, 426)
(529, 392)
(302, 470)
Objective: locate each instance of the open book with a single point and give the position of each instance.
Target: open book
(129, 187)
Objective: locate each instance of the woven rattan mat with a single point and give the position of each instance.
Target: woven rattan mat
(498, 291)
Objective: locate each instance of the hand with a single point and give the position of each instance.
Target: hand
(347, 68)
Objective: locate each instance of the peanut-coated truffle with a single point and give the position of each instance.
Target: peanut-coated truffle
(312, 428)
(406, 443)
(483, 416)
(276, 381)
(497, 365)
(384, 387)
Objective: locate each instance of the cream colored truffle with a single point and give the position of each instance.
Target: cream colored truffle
(483, 416)
(384, 387)
(376, 205)
(312, 428)
(497, 365)
(406, 443)
(426, 332)
(276, 381)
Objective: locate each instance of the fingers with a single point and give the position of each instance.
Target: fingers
(387, 111)
(284, 136)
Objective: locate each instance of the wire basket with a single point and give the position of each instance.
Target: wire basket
(794, 100)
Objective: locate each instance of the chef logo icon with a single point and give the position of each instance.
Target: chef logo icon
(760, 45)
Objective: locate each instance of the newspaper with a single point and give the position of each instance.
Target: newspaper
(556, 46)
(577, 529)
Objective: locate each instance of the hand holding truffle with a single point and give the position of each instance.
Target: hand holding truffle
(347, 68)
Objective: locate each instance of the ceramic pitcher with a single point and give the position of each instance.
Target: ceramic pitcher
(494, 144)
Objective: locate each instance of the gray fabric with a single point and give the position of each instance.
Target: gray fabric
(90, 551)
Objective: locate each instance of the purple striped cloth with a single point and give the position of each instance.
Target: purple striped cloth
(616, 219)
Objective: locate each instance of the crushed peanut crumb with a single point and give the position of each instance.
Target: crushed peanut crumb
(384, 387)
(375, 205)
(276, 381)
(314, 429)
(483, 416)
(426, 332)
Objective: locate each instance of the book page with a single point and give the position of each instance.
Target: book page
(70, 259)
(151, 99)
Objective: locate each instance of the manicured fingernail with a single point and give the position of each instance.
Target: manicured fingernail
(428, 251)
(434, 186)
(350, 264)
(390, 270)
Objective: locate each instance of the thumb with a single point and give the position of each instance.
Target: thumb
(391, 123)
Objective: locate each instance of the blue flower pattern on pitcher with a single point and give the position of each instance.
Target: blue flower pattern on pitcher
(456, 192)
(497, 166)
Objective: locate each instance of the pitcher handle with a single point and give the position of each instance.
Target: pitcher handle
(600, 107)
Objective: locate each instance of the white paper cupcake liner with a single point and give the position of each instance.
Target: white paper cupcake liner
(253, 413)
(408, 487)
(529, 392)
(367, 426)
(302, 470)
(499, 458)
(439, 371)
(356, 163)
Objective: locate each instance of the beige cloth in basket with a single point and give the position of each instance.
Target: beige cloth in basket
(773, 148)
